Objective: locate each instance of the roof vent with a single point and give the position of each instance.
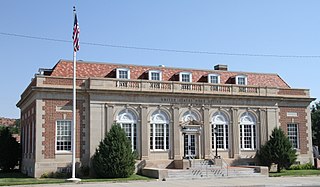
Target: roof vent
(221, 67)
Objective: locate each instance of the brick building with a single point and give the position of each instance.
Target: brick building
(168, 113)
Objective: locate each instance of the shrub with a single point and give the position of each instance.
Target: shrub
(277, 150)
(302, 166)
(57, 175)
(84, 171)
(114, 157)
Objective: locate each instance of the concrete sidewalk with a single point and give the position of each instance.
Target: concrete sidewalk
(255, 181)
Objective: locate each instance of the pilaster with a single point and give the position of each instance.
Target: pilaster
(176, 134)
(235, 149)
(109, 116)
(144, 133)
(263, 127)
(206, 132)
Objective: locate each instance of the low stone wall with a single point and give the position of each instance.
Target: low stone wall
(156, 173)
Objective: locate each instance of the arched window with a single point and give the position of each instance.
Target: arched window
(159, 131)
(248, 132)
(127, 121)
(220, 131)
(190, 116)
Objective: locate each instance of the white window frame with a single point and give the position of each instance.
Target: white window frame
(253, 130)
(225, 127)
(129, 118)
(241, 76)
(56, 138)
(185, 73)
(132, 132)
(166, 135)
(293, 136)
(213, 75)
(122, 69)
(155, 71)
(163, 121)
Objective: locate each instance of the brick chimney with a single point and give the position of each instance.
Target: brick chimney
(221, 67)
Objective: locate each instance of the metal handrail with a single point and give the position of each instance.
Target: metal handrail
(224, 165)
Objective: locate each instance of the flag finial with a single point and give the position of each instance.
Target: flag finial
(74, 8)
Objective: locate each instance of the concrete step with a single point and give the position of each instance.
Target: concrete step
(194, 173)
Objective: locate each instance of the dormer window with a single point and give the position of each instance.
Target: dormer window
(185, 77)
(123, 73)
(214, 78)
(241, 80)
(155, 75)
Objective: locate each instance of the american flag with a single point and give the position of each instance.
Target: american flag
(75, 36)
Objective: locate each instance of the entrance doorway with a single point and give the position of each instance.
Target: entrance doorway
(190, 149)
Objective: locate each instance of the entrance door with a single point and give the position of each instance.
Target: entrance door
(190, 145)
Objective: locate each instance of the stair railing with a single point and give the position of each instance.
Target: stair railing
(224, 165)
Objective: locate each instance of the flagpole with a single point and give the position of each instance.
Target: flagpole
(74, 116)
(74, 123)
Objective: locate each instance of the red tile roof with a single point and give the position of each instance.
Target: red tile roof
(107, 70)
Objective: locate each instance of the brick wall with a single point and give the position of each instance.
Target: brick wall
(291, 92)
(62, 81)
(51, 115)
(301, 120)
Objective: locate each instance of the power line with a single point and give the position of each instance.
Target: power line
(162, 49)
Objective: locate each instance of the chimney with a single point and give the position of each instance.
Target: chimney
(221, 67)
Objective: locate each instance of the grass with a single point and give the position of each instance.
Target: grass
(295, 173)
(17, 178)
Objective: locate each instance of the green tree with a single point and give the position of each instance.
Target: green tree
(114, 157)
(315, 120)
(277, 150)
(10, 152)
(14, 129)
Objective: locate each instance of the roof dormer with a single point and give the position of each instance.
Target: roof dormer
(241, 80)
(123, 73)
(155, 75)
(185, 77)
(214, 78)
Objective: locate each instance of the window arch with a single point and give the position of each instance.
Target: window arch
(220, 131)
(190, 116)
(127, 120)
(248, 134)
(159, 131)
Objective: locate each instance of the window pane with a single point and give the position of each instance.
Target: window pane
(63, 138)
(155, 76)
(220, 138)
(123, 74)
(151, 136)
(214, 79)
(159, 136)
(241, 81)
(293, 134)
(185, 78)
(248, 136)
(130, 133)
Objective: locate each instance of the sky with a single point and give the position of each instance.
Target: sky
(231, 28)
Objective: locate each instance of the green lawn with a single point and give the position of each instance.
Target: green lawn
(17, 178)
(295, 173)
